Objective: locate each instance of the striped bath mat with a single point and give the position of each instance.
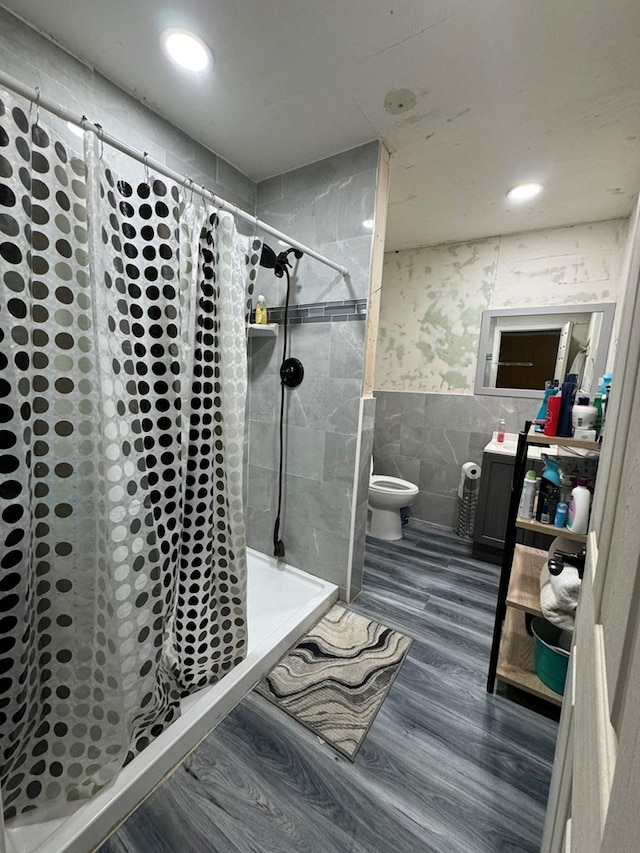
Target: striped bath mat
(336, 678)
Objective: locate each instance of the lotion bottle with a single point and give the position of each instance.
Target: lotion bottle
(578, 514)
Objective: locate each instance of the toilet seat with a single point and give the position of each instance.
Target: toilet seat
(380, 483)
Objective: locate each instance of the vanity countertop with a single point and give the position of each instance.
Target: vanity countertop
(509, 446)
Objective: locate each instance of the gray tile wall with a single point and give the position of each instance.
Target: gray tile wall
(425, 438)
(36, 61)
(323, 206)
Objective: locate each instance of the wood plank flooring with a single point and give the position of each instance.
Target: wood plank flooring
(445, 768)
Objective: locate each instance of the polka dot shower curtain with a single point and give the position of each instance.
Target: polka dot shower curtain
(122, 391)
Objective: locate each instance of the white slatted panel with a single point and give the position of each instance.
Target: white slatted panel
(622, 827)
(620, 596)
(621, 412)
(592, 759)
(560, 790)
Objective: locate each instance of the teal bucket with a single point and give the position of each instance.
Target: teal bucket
(552, 646)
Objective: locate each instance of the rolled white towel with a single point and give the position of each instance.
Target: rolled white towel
(566, 587)
(554, 610)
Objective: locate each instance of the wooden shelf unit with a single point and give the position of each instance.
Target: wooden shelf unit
(516, 659)
(561, 441)
(512, 649)
(524, 583)
(549, 529)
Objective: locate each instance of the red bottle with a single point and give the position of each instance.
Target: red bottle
(553, 413)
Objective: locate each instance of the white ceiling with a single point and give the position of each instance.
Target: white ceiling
(506, 91)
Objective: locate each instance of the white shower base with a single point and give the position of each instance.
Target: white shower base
(283, 602)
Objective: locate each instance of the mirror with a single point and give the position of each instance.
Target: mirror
(520, 348)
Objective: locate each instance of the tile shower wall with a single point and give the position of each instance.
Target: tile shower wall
(428, 421)
(36, 61)
(324, 206)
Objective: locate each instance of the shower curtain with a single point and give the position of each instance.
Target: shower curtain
(122, 392)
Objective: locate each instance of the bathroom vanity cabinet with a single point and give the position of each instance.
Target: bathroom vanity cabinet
(492, 511)
(512, 651)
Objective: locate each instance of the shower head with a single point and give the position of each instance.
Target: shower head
(268, 257)
(277, 263)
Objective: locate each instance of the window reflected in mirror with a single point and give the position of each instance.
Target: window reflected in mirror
(521, 349)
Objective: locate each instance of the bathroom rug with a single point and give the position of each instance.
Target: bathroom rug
(335, 679)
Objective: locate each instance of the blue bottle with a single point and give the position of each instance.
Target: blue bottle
(561, 514)
(567, 393)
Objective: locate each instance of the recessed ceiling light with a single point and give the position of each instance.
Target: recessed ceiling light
(368, 223)
(186, 49)
(524, 192)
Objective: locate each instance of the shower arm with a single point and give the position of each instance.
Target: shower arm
(83, 122)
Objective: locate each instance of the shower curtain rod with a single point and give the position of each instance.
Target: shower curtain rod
(51, 106)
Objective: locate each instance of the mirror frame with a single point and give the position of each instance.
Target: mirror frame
(606, 308)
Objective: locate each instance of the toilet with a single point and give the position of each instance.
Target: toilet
(387, 495)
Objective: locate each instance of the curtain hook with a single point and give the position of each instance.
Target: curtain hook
(101, 138)
(37, 105)
(191, 185)
(145, 155)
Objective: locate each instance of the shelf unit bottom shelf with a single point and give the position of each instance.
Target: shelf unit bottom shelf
(516, 659)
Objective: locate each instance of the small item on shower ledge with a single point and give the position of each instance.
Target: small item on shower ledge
(261, 311)
(500, 433)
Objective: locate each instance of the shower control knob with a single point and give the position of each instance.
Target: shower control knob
(291, 372)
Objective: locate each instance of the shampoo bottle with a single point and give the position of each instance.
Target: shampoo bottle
(578, 514)
(567, 395)
(261, 311)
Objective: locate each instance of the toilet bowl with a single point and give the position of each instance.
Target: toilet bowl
(387, 495)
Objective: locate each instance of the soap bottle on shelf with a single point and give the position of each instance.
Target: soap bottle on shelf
(578, 514)
(561, 514)
(500, 432)
(261, 311)
(528, 496)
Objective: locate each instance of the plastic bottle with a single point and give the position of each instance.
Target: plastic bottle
(578, 514)
(583, 415)
(500, 433)
(549, 504)
(549, 488)
(567, 394)
(553, 413)
(597, 424)
(261, 311)
(527, 498)
(550, 390)
(561, 514)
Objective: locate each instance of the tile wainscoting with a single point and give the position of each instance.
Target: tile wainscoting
(425, 438)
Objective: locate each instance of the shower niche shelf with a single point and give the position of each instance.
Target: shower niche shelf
(262, 330)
